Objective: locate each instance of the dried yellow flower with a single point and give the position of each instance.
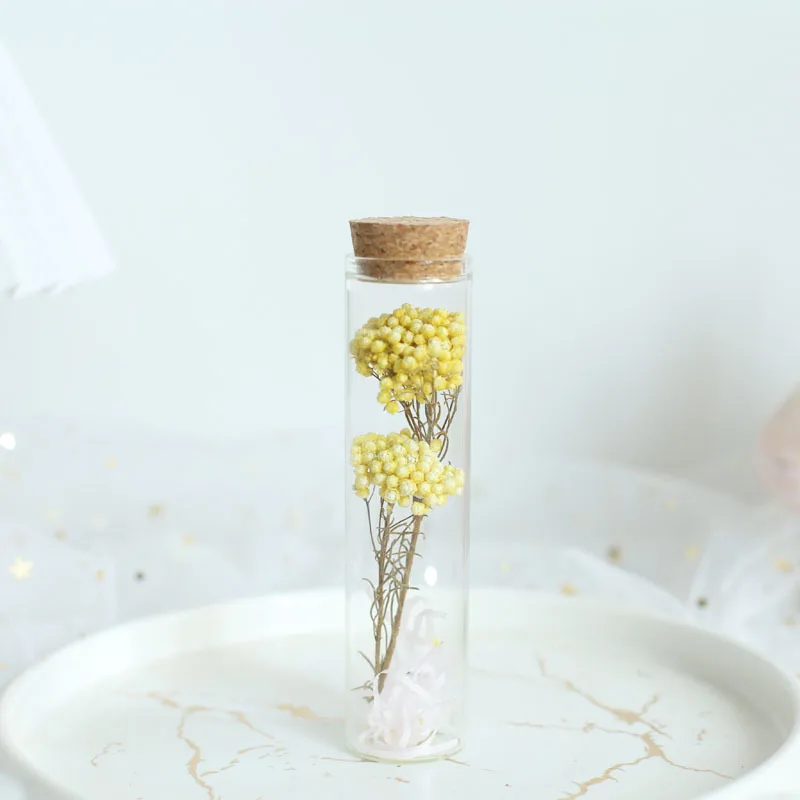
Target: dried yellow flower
(413, 352)
(405, 470)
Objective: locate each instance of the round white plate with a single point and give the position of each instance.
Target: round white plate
(243, 701)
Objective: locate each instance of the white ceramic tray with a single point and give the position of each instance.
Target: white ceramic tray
(242, 702)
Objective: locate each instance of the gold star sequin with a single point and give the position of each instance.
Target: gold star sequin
(156, 510)
(614, 554)
(21, 569)
(61, 536)
(568, 589)
(188, 540)
(100, 574)
(783, 565)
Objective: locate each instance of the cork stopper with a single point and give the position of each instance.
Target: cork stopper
(408, 249)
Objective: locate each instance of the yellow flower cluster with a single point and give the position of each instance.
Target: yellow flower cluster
(413, 352)
(405, 470)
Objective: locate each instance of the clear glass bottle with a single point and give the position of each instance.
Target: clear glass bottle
(407, 508)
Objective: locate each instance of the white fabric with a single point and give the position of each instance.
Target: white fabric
(49, 239)
(206, 522)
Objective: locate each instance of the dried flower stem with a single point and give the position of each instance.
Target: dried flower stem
(395, 543)
(401, 601)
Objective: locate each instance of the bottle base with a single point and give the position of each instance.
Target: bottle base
(441, 746)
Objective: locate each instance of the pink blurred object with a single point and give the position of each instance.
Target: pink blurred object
(778, 453)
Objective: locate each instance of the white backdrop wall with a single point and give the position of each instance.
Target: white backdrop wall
(632, 172)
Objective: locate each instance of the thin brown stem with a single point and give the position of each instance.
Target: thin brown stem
(395, 542)
(444, 428)
(379, 592)
(412, 420)
(401, 601)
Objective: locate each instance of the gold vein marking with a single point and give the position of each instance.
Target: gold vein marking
(196, 758)
(230, 765)
(256, 747)
(193, 764)
(240, 717)
(587, 728)
(652, 750)
(456, 761)
(304, 712)
(112, 748)
(625, 715)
